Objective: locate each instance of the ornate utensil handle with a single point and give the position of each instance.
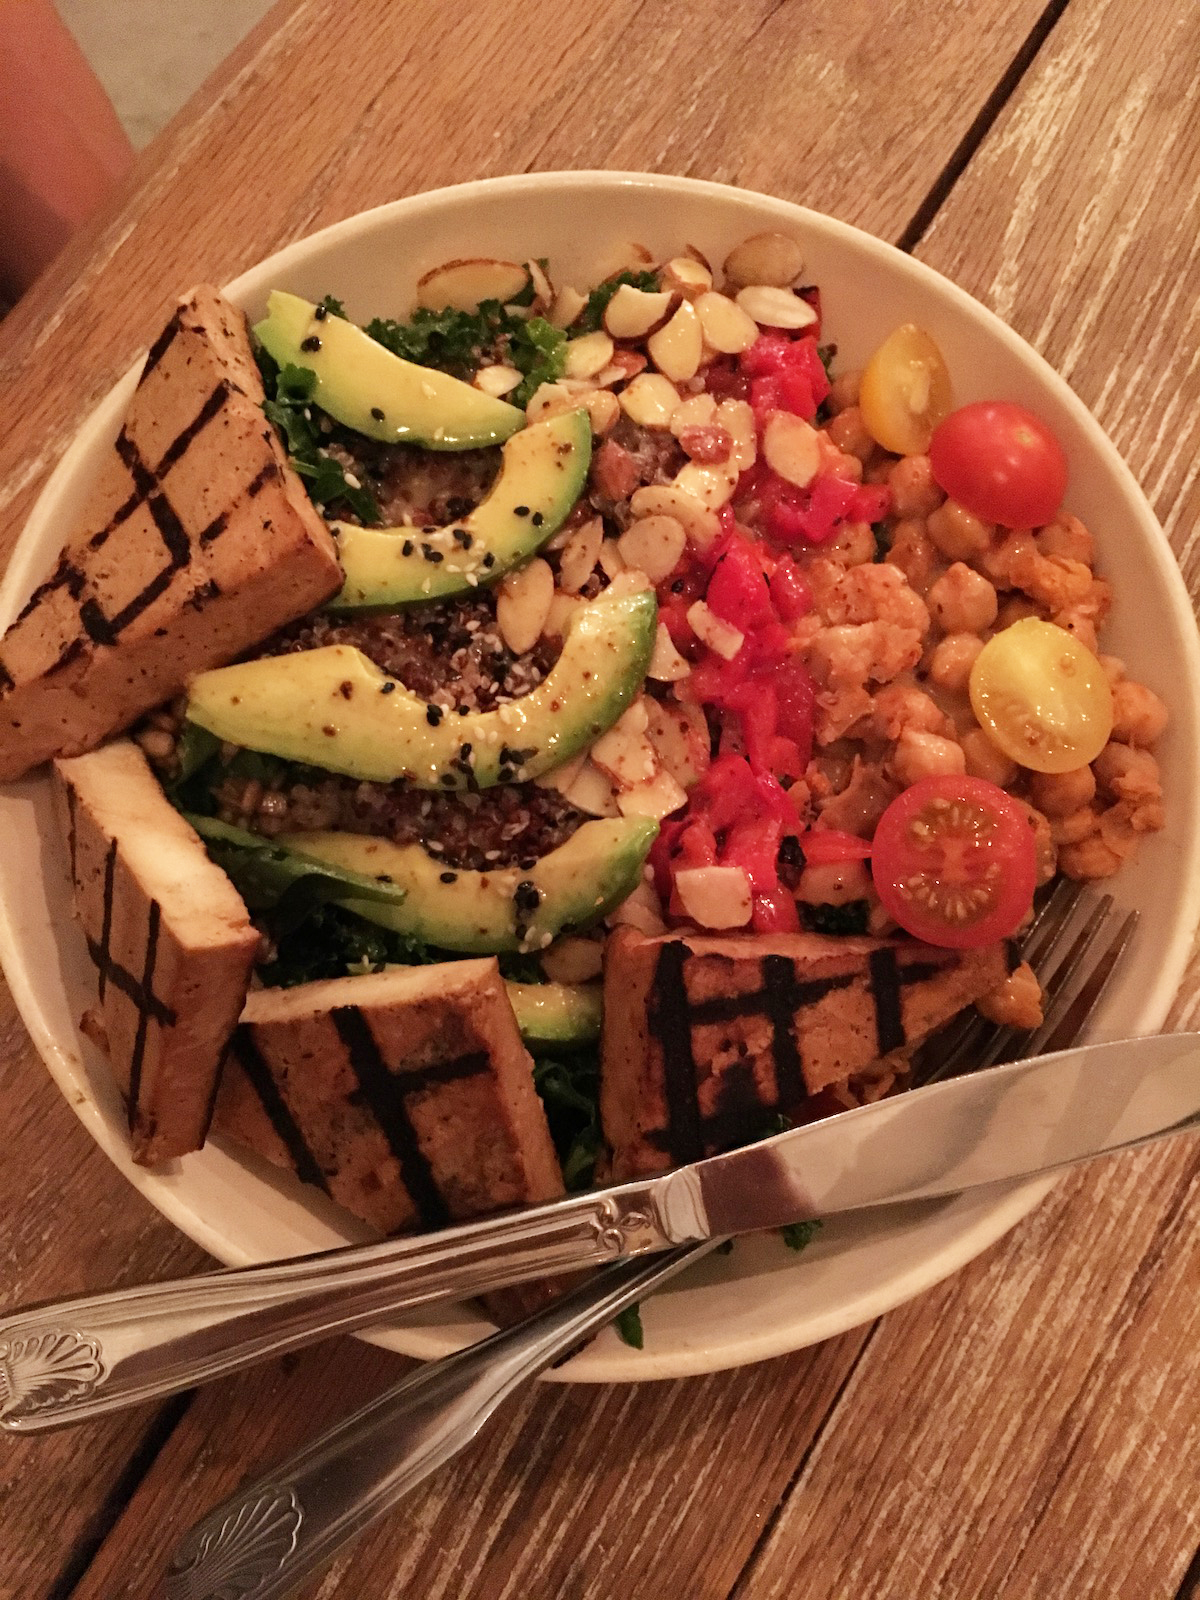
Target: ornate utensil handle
(266, 1539)
(76, 1359)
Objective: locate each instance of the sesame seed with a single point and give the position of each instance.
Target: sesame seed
(433, 715)
(311, 343)
(447, 877)
(407, 548)
(377, 413)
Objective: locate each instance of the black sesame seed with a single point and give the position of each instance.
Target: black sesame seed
(377, 413)
(677, 586)
(432, 555)
(386, 688)
(489, 560)
(447, 877)
(321, 313)
(311, 343)
(449, 780)
(433, 715)
(520, 511)
(406, 549)
(464, 711)
(527, 896)
(528, 863)
(464, 752)
(504, 774)
(537, 519)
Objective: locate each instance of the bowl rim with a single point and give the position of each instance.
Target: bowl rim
(1012, 1202)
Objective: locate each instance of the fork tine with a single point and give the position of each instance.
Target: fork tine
(1076, 1014)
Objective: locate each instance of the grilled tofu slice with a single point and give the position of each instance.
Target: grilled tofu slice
(198, 541)
(705, 1037)
(171, 939)
(406, 1095)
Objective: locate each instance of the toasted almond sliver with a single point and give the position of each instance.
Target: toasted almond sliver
(776, 308)
(714, 631)
(633, 312)
(686, 276)
(666, 499)
(627, 257)
(463, 284)
(603, 409)
(580, 556)
(562, 608)
(666, 664)
(610, 559)
(550, 400)
(496, 380)
(676, 349)
(725, 325)
(523, 605)
(563, 777)
(656, 797)
(738, 420)
(711, 485)
(543, 289)
(680, 736)
(715, 897)
(792, 448)
(588, 355)
(650, 400)
(624, 752)
(573, 960)
(767, 258)
(631, 581)
(697, 411)
(654, 545)
(568, 303)
(592, 791)
(641, 909)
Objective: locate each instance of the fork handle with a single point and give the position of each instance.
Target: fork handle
(269, 1537)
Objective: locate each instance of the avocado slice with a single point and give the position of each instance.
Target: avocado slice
(541, 477)
(363, 385)
(553, 1015)
(333, 708)
(483, 913)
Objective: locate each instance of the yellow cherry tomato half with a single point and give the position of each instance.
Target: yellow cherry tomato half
(1042, 697)
(905, 391)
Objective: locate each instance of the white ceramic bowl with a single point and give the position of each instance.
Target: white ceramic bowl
(761, 1300)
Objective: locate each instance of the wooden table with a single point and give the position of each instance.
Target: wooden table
(1029, 1428)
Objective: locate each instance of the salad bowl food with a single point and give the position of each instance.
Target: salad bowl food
(613, 762)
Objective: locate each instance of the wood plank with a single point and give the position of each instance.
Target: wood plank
(1030, 1427)
(321, 113)
(572, 1492)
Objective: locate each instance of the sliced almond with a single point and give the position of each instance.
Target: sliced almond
(628, 257)
(666, 664)
(523, 605)
(726, 327)
(543, 289)
(573, 960)
(642, 909)
(665, 499)
(679, 734)
(624, 752)
(580, 555)
(562, 608)
(568, 303)
(767, 258)
(563, 777)
(714, 631)
(686, 276)
(592, 791)
(650, 400)
(676, 349)
(654, 545)
(610, 559)
(738, 419)
(550, 400)
(496, 380)
(588, 355)
(715, 897)
(776, 308)
(631, 313)
(792, 448)
(656, 797)
(631, 581)
(463, 284)
(603, 409)
(698, 411)
(711, 485)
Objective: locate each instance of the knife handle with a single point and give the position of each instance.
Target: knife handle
(71, 1360)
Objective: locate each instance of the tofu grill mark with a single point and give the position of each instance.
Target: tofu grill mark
(689, 1134)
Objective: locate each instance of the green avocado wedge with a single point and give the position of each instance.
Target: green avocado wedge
(484, 913)
(552, 1016)
(333, 708)
(542, 475)
(366, 387)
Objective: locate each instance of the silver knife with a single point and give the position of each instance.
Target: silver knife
(76, 1359)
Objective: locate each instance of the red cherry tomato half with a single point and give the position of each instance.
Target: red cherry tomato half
(954, 862)
(1001, 462)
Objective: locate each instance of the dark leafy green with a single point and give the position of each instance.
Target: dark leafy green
(331, 304)
(457, 341)
(882, 543)
(629, 1325)
(289, 391)
(591, 317)
(837, 921)
(519, 966)
(570, 1092)
(797, 1235)
(332, 942)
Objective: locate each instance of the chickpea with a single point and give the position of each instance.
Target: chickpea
(834, 883)
(957, 533)
(912, 551)
(1066, 536)
(1139, 716)
(1119, 831)
(1058, 793)
(1076, 825)
(1090, 858)
(158, 743)
(963, 601)
(843, 392)
(849, 433)
(855, 544)
(1017, 1003)
(914, 492)
(1114, 669)
(900, 709)
(926, 755)
(985, 761)
(996, 562)
(1043, 839)
(952, 660)
(1015, 609)
(1079, 627)
(1128, 773)
(1060, 584)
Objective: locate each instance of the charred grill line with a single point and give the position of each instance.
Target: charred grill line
(667, 1020)
(160, 347)
(199, 422)
(100, 950)
(145, 1005)
(384, 1093)
(215, 528)
(261, 479)
(72, 838)
(885, 992)
(730, 1007)
(246, 1053)
(778, 994)
(6, 679)
(468, 1066)
(104, 960)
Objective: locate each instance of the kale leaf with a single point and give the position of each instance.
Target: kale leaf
(288, 405)
(591, 318)
(628, 1324)
(836, 921)
(458, 342)
(796, 1235)
(332, 942)
(570, 1092)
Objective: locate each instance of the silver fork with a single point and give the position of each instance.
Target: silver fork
(286, 1526)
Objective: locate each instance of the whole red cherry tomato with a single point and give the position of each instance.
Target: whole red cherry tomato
(1001, 462)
